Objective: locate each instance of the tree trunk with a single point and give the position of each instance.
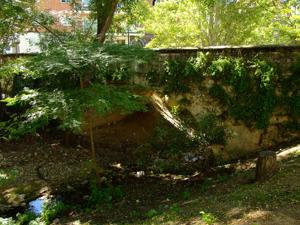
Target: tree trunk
(266, 165)
(105, 13)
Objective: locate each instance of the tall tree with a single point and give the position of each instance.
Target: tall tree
(286, 22)
(104, 11)
(211, 22)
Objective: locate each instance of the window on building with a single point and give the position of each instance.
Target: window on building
(7, 49)
(65, 1)
(85, 3)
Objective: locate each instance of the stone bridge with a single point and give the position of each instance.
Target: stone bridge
(241, 140)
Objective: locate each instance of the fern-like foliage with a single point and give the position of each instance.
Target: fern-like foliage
(50, 86)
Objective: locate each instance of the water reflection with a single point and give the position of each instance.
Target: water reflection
(36, 206)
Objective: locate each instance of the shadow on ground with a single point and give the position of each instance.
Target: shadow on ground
(221, 199)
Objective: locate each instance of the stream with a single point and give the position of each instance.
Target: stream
(36, 206)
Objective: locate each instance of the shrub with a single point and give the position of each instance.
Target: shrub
(52, 211)
(62, 83)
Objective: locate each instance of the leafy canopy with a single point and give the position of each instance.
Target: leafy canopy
(217, 22)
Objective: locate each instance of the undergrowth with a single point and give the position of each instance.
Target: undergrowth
(103, 196)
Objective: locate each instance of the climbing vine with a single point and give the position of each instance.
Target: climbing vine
(63, 82)
(250, 89)
(176, 75)
(250, 95)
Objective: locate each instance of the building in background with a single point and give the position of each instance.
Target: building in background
(62, 11)
(65, 14)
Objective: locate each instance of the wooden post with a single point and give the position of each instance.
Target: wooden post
(266, 165)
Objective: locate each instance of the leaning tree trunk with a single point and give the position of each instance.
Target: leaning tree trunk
(266, 165)
(105, 13)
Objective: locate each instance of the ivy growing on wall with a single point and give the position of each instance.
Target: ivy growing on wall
(291, 91)
(250, 89)
(176, 75)
(250, 95)
(64, 82)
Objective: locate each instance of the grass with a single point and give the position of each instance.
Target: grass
(297, 153)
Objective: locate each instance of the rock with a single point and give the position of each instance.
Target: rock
(266, 165)
(13, 199)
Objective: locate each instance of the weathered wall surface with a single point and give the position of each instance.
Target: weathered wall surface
(241, 140)
(282, 55)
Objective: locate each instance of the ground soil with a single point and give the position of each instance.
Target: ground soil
(51, 161)
(229, 196)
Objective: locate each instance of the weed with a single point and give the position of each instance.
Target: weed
(297, 153)
(223, 178)
(245, 87)
(218, 92)
(175, 208)
(7, 221)
(103, 197)
(171, 141)
(52, 211)
(206, 184)
(135, 214)
(25, 218)
(151, 213)
(208, 218)
(186, 195)
(175, 110)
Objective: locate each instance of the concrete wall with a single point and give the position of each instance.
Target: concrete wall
(241, 140)
(283, 55)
